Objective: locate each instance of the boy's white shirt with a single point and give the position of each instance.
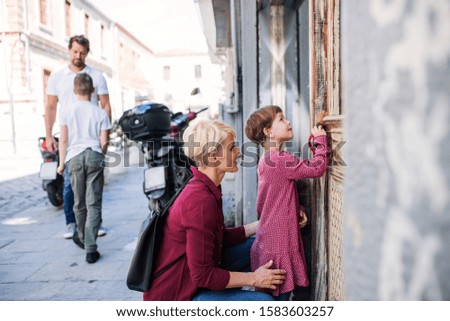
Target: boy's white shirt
(84, 121)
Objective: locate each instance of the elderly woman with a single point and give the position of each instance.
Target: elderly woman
(201, 259)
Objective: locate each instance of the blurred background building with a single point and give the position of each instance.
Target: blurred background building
(34, 37)
(179, 71)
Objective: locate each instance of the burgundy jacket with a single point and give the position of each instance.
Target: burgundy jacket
(192, 245)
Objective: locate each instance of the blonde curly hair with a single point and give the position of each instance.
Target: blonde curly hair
(203, 138)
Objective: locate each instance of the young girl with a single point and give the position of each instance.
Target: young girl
(278, 237)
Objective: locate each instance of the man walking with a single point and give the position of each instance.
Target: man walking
(60, 90)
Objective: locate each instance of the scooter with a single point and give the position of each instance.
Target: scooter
(168, 166)
(160, 134)
(52, 182)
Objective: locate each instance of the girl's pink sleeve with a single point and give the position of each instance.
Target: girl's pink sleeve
(296, 168)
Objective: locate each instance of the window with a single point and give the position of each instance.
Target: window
(67, 10)
(45, 82)
(137, 62)
(102, 39)
(43, 12)
(166, 73)
(198, 71)
(86, 25)
(121, 53)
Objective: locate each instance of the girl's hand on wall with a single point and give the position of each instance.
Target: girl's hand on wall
(318, 131)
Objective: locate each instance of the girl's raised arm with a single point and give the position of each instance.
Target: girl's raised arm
(296, 168)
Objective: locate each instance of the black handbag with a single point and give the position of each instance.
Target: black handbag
(140, 273)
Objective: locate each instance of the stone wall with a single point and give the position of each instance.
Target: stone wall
(396, 96)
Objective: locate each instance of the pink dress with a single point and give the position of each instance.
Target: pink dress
(278, 237)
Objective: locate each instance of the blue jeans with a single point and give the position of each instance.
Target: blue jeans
(68, 197)
(283, 297)
(234, 258)
(231, 295)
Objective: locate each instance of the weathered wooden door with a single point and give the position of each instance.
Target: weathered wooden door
(327, 258)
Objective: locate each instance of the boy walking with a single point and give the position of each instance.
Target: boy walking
(82, 144)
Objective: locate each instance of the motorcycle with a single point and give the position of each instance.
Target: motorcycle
(159, 132)
(52, 182)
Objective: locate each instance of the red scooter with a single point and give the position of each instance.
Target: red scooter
(52, 182)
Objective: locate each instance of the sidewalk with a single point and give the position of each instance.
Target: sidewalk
(37, 263)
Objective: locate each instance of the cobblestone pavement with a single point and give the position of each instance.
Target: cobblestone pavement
(37, 263)
(17, 195)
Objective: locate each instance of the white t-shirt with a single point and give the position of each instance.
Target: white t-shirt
(60, 84)
(84, 121)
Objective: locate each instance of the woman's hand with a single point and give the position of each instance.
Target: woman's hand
(267, 278)
(303, 219)
(318, 131)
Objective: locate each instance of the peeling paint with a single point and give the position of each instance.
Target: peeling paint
(356, 228)
(405, 144)
(393, 285)
(419, 135)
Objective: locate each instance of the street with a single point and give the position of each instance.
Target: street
(37, 263)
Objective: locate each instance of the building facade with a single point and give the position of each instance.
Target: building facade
(363, 70)
(177, 72)
(135, 70)
(34, 37)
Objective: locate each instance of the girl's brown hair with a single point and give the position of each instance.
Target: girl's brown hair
(260, 119)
